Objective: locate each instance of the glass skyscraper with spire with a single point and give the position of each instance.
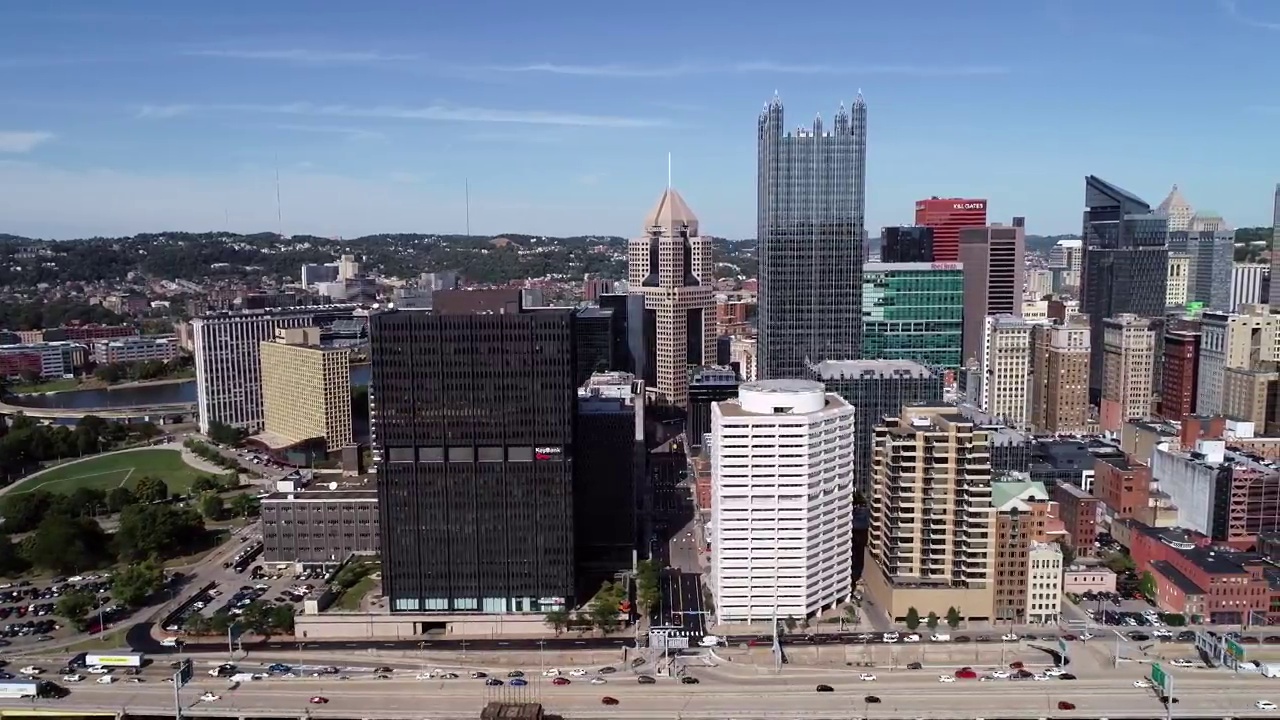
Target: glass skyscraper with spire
(811, 186)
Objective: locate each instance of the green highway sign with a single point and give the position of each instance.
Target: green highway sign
(1062, 645)
(1159, 677)
(1235, 650)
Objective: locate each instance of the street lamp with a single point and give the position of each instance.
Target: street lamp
(231, 652)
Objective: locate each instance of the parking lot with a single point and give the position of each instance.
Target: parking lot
(255, 583)
(28, 610)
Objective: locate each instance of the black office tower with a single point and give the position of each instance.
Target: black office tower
(876, 388)
(1126, 263)
(609, 474)
(473, 408)
(598, 334)
(908, 243)
(707, 384)
(632, 351)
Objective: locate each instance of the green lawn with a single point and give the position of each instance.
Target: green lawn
(350, 600)
(47, 386)
(110, 471)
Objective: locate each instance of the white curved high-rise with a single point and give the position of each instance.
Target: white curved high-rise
(781, 501)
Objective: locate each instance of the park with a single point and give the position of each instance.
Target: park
(112, 470)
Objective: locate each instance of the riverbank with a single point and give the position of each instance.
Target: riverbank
(66, 385)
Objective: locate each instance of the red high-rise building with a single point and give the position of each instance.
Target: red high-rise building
(1179, 370)
(947, 217)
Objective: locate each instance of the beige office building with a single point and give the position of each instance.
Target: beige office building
(932, 535)
(1128, 369)
(1005, 368)
(1251, 395)
(671, 267)
(306, 390)
(1244, 339)
(1060, 376)
(1175, 293)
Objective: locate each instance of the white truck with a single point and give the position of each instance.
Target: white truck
(18, 690)
(114, 660)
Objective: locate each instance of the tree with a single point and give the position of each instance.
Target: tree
(1119, 563)
(204, 484)
(24, 511)
(603, 613)
(151, 490)
(87, 500)
(224, 434)
(75, 607)
(67, 545)
(852, 614)
(12, 564)
(1147, 586)
(932, 620)
(280, 618)
(245, 505)
(197, 624)
(133, 585)
(953, 618)
(351, 574)
(212, 507)
(648, 594)
(790, 624)
(156, 531)
(219, 622)
(913, 619)
(1068, 554)
(120, 498)
(557, 620)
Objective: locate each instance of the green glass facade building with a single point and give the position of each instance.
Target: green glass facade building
(913, 311)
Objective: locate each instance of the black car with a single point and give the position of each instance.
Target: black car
(689, 680)
(383, 669)
(492, 682)
(1066, 676)
(960, 638)
(515, 674)
(871, 699)
(607, 670)
(915, 666)
(646, 680)
(825, 688)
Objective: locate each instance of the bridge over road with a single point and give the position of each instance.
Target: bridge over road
(118, 412)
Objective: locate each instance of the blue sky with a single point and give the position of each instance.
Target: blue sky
(145, 115)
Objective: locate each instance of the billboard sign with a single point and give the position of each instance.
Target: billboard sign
(1235, 650)
(944, 266)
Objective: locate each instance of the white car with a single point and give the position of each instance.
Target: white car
(999, 675)
(1265, 705)
(597, 681)
(1040, 676)
(72, 678)
(1087, 636)
(711, 641)
(1183, 662)
(890, 637)
(867, 677)
(169, 642)
(578, 672)
(106, 679)
(551, 672)
(1009, 637)
(1141, 684)
(1054, 671)
(31, 670)
(946, 679)
(940, 637)
(912, 638)
(210, 697)
(424, 676)
(99, 670)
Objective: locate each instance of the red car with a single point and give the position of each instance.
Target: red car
(966, 674)
(318, 700)
(608, 700)
(1015, 665)
(560, 681)
(1064, 705)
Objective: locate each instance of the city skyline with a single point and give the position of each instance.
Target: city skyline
(177, 118)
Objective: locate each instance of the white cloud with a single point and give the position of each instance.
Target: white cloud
(15, 141)
(303, 56)
(431, 113)
(1232, 8)
(41, 201)
(349, 132)
(662, 71)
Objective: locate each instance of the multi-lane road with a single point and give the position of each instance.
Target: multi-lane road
(762, 696)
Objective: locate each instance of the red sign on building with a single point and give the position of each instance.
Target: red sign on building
(947, 217)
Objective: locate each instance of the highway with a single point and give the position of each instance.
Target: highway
(903, 695)
(133, 411)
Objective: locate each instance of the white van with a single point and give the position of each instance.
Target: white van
(711, 641)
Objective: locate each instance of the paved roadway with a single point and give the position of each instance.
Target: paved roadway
(765, 696)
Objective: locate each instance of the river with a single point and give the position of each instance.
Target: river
(161, 394)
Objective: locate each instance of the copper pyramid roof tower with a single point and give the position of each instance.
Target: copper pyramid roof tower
(672, 213)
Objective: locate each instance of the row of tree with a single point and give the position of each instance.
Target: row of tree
(932, 620)
(602, 612)
(62, 543)
(27, 444)
(210, 454)
(260, 618)
(143, 370)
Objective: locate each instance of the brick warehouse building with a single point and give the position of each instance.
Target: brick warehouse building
(1205, 583)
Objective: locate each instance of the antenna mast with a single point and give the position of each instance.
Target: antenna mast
(668, 170)
(279, 212)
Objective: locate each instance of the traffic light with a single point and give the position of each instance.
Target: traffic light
(185, 672)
